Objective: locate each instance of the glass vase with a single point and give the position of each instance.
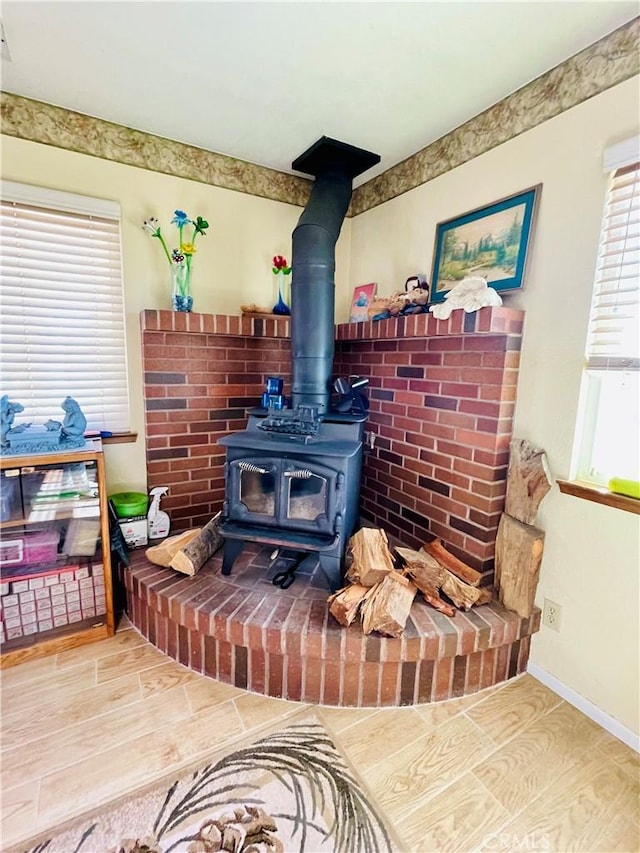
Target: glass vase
(281, 306)
(181, 297)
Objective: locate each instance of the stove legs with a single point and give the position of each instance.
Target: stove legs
(331, 564)
(332, 567)
(232, 548)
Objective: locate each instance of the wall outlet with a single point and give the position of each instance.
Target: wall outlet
(551, 614)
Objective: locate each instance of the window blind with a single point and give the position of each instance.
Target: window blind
(614, 330)
(61, 306)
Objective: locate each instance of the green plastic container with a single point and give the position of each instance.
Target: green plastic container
(130, 503)
(631, 488)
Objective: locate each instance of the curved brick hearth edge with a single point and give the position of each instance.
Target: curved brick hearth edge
(244, 631)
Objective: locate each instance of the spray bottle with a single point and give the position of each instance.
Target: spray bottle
(158, 521)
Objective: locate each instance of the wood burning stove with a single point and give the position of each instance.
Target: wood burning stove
(293, 476)
(297, 492)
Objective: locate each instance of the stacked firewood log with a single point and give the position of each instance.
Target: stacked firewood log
(383, 594)
(520, 545)
(187, 552)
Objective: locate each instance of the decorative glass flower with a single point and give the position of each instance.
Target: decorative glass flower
(180, 259)
(280, 269)
(185, 247)
(280, 265)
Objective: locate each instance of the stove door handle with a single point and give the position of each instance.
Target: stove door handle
(299, 474)
(249, 466)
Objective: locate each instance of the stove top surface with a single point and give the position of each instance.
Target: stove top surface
(274, 443)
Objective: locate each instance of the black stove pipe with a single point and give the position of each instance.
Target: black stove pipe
(313, 288)
(334, 165)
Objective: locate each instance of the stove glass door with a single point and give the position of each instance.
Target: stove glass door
(255, 485)
(308, 496)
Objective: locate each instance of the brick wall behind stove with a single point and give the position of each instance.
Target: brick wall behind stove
(441, 409)
(197, 388)
(442, 400)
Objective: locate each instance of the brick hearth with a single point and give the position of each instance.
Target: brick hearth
(442, 399)
(243, 631)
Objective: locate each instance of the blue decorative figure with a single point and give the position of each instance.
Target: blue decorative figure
(49, 437)
(72, 427)
(8, 411)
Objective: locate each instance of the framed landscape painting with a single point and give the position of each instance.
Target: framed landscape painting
(491, 242)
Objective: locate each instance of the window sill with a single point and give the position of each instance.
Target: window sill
(600, 495)
(120, 438)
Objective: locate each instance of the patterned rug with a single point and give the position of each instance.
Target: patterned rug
(291, 790)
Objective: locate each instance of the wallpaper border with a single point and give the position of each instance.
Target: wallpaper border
(47, 124)
(611, 60)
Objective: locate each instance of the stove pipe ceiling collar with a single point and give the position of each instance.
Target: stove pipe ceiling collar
(334, 165)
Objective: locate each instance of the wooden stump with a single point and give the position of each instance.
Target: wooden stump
(528, 480)
(519, 550)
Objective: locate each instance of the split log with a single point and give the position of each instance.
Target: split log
(486, 595)
(370, 557)
(518, 556)
(164, 552)
(528, 480)
(423, 569)
(345, 603)
(387, 605)
(453, 564)
(462, 594)
(194, 555)
(439, 604)
(419, 559)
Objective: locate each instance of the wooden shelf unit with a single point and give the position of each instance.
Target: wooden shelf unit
(56, 512)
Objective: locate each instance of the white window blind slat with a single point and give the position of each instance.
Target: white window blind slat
(49, 223)
(41, 300)
(92, 245)
(62, 310)
(35, 255)
(614, 329)
(616, 274)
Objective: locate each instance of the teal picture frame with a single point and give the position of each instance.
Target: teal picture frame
(491, 241)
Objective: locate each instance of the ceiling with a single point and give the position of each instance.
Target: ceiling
(262, 81)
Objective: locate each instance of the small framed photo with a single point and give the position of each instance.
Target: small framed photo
(491, 242)
(363, 296)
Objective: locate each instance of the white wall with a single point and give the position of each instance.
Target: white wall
(592, 554)
(232, 265)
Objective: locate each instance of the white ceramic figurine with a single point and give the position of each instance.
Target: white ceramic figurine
(470, 294)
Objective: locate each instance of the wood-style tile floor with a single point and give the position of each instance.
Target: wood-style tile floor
(514, 768)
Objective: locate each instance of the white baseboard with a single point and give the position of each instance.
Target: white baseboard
(588, 708)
